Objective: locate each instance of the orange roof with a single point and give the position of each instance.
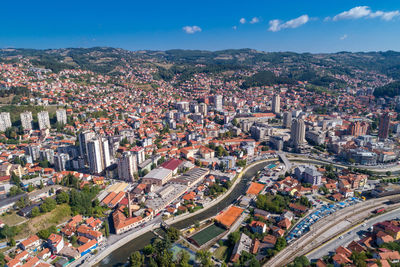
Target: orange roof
(88, 245)
(255, 188)
(228, 217)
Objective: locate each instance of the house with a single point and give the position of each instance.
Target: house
(55, 242)
(44, 254)
(340, 260)
(258, 227)
(269, 241)
(285, 224)
(382, 237)
(30, 243)
(86, 248)
(297, 208)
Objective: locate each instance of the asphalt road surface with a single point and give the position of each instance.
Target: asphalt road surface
(353, 234)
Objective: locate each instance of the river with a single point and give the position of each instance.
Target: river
(120, 256)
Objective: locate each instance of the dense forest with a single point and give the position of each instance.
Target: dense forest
(391, 90)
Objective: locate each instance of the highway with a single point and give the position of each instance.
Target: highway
(350, 235)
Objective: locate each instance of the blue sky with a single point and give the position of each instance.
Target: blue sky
(285, 25)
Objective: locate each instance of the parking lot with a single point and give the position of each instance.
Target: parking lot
(325, 210)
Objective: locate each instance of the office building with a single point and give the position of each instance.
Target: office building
(44, 120)
(287, 119)
(384, 126)
(26, 120)
(298, 132)
(61, 115)
(276, 104)
(127, 166)
(5, 121)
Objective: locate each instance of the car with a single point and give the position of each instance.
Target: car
(364, 224)
(341, 237)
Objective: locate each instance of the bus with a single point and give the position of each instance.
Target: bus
(379, 210)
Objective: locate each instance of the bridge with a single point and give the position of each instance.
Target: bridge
(285, 160)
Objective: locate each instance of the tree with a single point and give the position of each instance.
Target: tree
(35, 212)
(8, 232)
(15, 179)
(204, 257)
(48, 204)
(2, 261)
(106, 229)
(388, 173)
(23, 202)
(183, 258)
(173, 234)
(233, 238)
(136, 259)
(62, 197)
(280, 243)
(12, 242)
(148, 250)
(15, 190)
(301, 261)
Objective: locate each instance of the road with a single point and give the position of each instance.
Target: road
(394, 168)
(326, 229)
(116, 241)
(350, 235)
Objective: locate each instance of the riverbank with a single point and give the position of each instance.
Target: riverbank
(179, 221)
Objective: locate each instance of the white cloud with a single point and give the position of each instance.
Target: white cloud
(242, 20)
(277, 25)
(254, 20)
(234, 28)
(191, 29)
(344, 36)
(365, 12)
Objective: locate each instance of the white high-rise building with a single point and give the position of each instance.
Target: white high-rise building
(44, 120)
(127, 166)
(26, 120)
(5, 121)
(276, 104)
(61, 116)
(84, 138)
(218, 102)
(203, 109)
(298, 132)
(61, 161)
(140, 154)
(98, 155)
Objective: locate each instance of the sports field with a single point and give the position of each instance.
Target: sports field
(207, 234)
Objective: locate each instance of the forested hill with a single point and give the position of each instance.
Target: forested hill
(319, 69)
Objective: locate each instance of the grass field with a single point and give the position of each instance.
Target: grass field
(207, 234)
(220, 252)
(12, 219)
(57, 216)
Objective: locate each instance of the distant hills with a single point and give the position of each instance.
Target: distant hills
(318, 68)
